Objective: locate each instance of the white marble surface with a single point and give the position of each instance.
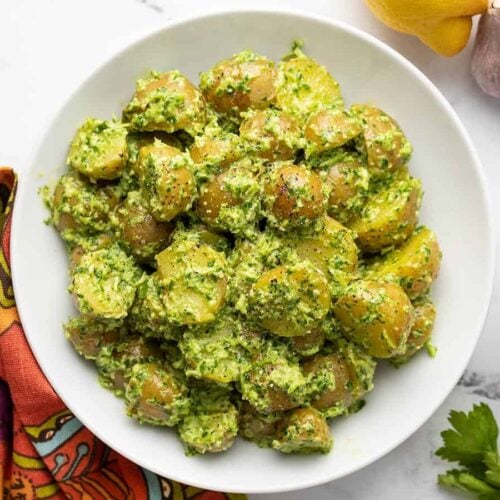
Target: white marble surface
(48, 46)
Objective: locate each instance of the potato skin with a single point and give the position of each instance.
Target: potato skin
(99, 149)
(257, 427)
(115, 361)
(273, 381)
(348, 182)
(214, 151)
(77, 206)
(421, 331)
(389, 217)
(213, 197)
(353, 373)
(167, 102)
(165, 175)
(307, 345)
(88, 336)
(304, 86)
(329, 129)
(290, 301)
(342, 394)
(246, 80)
(386, 146)
(136, 226)
(341, 189)
(155, 396)
(377, 317)
(137, 140)
(231, 201)
(294, 196)
(86, 245)
(414, 265)
(304, 430)
(332, 250)
(270, 134)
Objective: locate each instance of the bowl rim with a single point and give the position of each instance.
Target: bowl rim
(144, 35)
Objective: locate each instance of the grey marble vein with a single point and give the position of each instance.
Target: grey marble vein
(487, 386)
(151, 4)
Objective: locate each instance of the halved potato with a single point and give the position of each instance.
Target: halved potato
(195, 282)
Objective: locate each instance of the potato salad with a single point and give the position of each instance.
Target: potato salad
(243, 250)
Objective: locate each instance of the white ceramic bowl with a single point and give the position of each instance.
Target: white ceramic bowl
(455, 206)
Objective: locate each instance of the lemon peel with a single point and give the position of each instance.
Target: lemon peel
(443, 25)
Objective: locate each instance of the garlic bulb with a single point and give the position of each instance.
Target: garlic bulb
(486, 57)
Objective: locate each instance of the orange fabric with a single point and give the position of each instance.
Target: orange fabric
(45, 452)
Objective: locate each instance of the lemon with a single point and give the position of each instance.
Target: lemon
(443, 25)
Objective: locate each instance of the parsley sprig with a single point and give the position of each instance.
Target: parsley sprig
(472, 442)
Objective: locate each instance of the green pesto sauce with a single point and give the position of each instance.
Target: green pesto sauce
(208, 323)
(99, 149)
(104, 283)
(167, 102)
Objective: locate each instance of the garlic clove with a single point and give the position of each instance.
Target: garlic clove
(486, 56)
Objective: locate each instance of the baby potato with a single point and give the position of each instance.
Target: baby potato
(148, 314)
(99, 149)
(138, 229)
(352, 371)
(201, 234)
(386, 147)
(257, 427)
(194, 276)
(248, 261)
(213, 151)
(212, 425)
(303, 86)
(231, 201)
(104, 282)
(115, 361)
(348, 181)
(271, 134)
(294, 196)
(220, 150)
(272, 382)
(244, 81)
(168, 102)
(307, 345)
(166, 179)
(154, 395)
(330, 128)
(389, 217)
(304, 430)
(335, 364)
(376, 316)
(332, 250)
(213, 352)
(89, 336)
(414, 265)
(425, 315)
(79, 206)
(137, 140)
(290, 301)
(85, 245)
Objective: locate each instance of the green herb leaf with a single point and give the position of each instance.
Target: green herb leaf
(472, 442)
(492, 461)
(475, 434)
(464, 481)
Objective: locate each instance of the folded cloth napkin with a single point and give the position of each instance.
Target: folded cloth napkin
(45, 452)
